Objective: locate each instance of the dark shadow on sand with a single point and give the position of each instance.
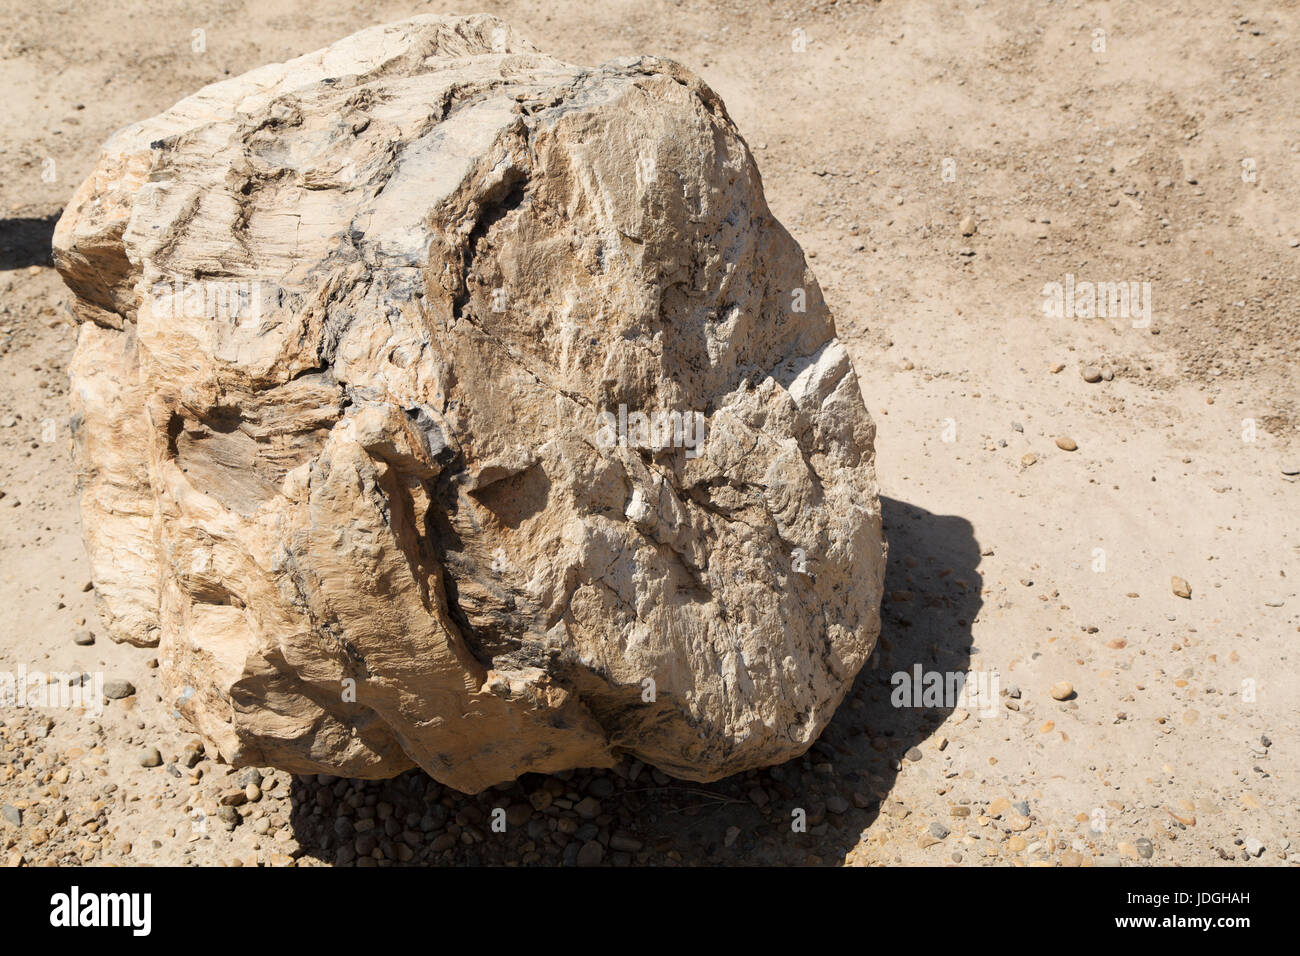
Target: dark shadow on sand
(26, 242)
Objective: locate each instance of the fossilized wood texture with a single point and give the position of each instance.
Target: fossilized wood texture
(392, 474)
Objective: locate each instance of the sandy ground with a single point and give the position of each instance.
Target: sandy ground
(1135, 142)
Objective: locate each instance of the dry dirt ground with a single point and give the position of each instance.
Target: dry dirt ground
(1139, 142)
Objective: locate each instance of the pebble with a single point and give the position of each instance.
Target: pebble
(967, 226)
(837, 804)
(1180, 587)
(591, 854)
(1091, 373)
(1062, 690)
(1065, 443)
(247, 776)
(1254, 846)
(939, 831)
(83, 638)
(625, 843)
(150, 757)
(11, 814)
(588, 808)
(1145, 848)
(117, 689)
(731, 835)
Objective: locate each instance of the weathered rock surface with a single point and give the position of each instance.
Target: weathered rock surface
(349, 326)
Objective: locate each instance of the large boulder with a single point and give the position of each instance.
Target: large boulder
(440, 403)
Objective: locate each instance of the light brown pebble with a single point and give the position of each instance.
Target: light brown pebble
(1180, 587)
(1062, 690)
(1066, 443)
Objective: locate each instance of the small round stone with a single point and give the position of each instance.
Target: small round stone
(118, 689)
(591, 854)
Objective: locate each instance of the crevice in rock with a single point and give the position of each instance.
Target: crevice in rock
(508, 196)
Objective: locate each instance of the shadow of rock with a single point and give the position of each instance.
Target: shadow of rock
(26, 242)
(635, 815)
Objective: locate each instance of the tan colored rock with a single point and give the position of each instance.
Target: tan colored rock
(366, 339)
(1061, 690)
